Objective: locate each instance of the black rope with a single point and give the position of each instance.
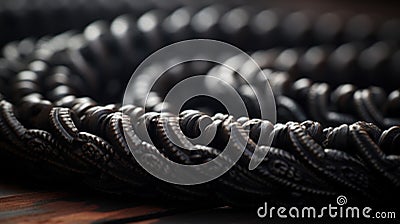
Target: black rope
(60, 110)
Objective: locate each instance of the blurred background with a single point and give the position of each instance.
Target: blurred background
(23, 18)
(352, 41)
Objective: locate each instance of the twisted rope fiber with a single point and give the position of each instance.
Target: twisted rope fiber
(47, 120)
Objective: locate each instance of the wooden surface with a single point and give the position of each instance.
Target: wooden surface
(18, 205)
(21, 206)
(22, 202)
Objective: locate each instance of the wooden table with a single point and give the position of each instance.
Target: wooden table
(23, 201)
(22, 204)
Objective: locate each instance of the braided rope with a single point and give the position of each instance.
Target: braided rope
(46, 118)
